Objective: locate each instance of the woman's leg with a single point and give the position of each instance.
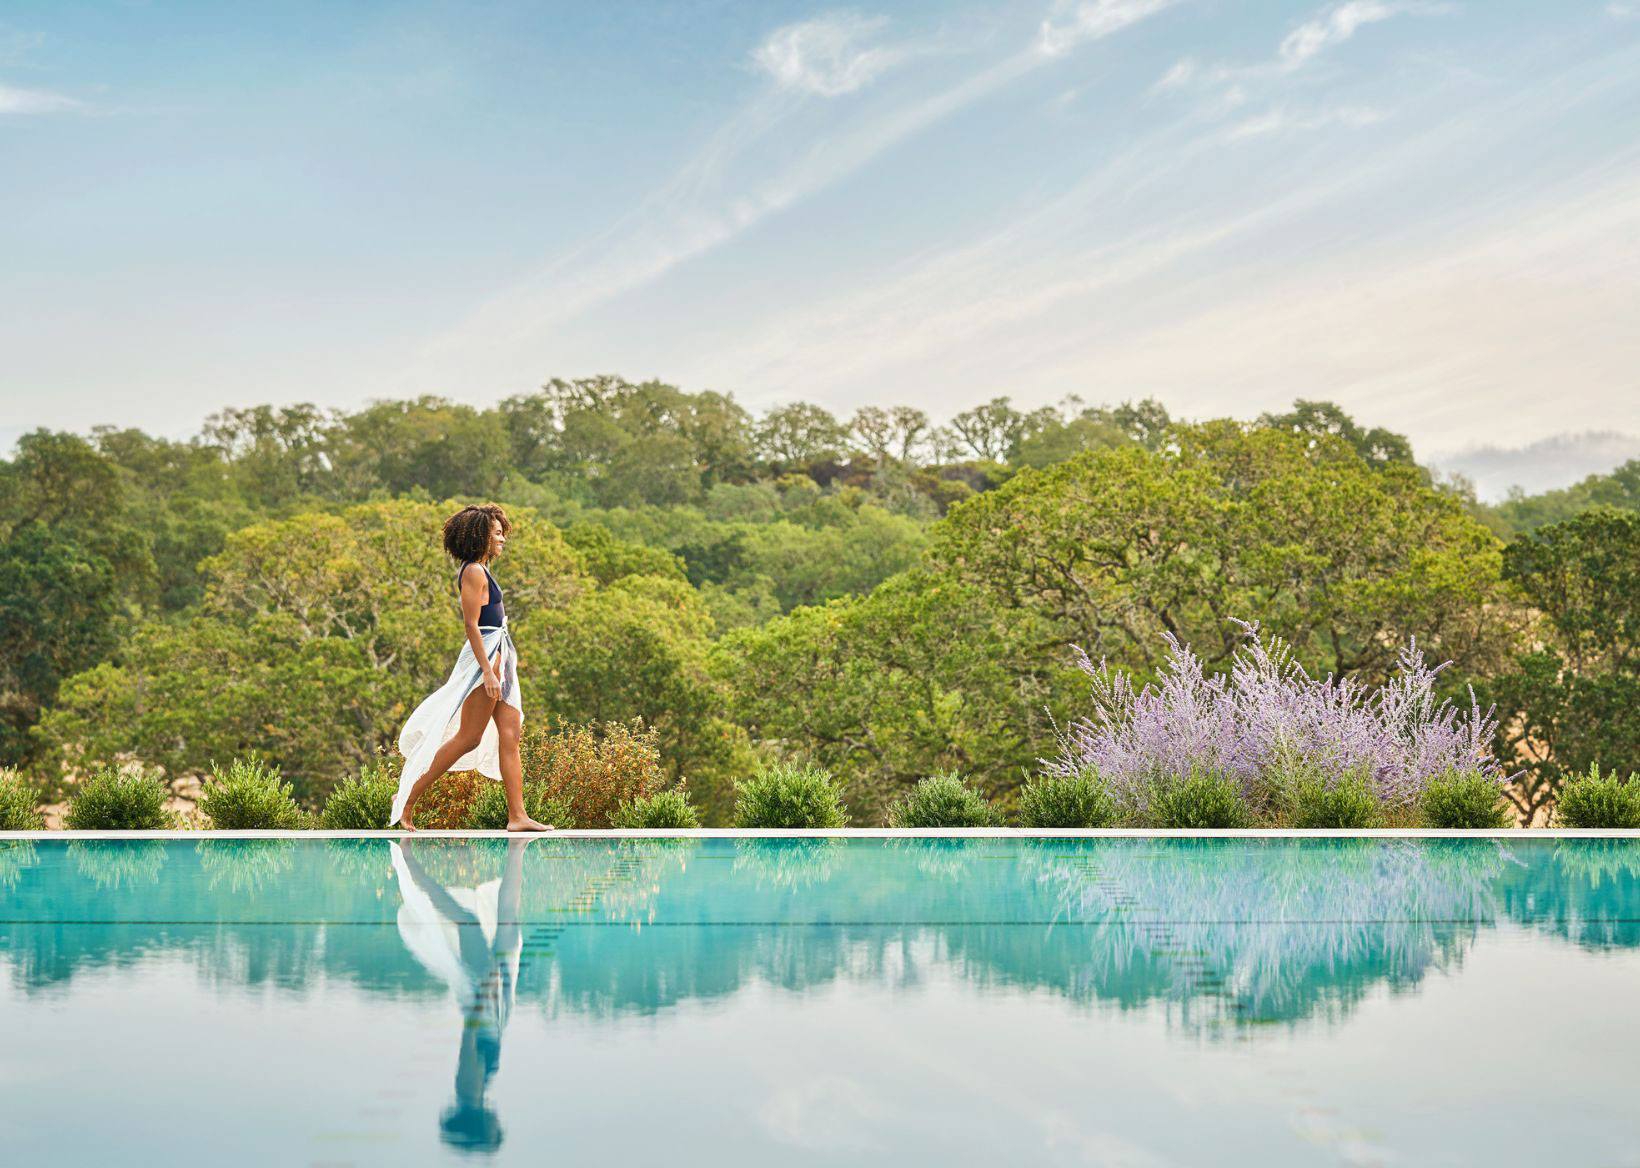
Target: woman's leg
(509, 726)
(475, 711)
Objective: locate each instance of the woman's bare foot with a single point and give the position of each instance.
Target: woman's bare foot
(405, 823)
(527, 824)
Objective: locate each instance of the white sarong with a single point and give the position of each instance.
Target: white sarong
(437, 719)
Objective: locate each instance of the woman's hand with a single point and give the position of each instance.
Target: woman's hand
(492, 683)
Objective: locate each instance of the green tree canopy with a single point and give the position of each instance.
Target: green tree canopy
(1575, 700)
(316, 637)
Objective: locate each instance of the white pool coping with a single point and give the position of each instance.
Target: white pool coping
(859, 833)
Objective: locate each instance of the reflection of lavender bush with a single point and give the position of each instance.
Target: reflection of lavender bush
(1288, 929)
(1268, 709)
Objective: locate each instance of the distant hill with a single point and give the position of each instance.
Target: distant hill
(1545, 465)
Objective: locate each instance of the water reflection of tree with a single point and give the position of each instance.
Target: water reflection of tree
(245, 867)
(787, 863)
(15, 856)
(1216, 933)
(113, 865)
(1588, 891)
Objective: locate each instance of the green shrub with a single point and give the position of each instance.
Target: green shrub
(19, 809)
(1308, 796)
(1464, 800)
(1078, 800)
(942, 801)
(1203, 799)
(489, 809)
(361, 802)
(669, 809)
(249, 795)
(1597, 800)
(789, 796)
(114, 801)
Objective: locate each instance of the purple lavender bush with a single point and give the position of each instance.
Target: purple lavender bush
(1263, 718)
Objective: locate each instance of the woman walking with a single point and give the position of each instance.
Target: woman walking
(474, 720)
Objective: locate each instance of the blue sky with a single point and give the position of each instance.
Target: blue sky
(1427, 211)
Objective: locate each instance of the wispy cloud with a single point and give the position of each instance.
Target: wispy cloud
(717, 196)
(1623, 11)
(34, 101)
(828, 56)
(1073, 23)
(1226, 87)
(1280, 120)
(1332, 27)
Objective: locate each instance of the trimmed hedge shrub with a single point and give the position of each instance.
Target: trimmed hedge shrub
(1464, 800)
(1201, 799)
(664, 810)
(943, 801)
(19, 809)
(489, 810)
(1078, 800)
(1599, 800)
(789, 796)
(111, 800)
(361, 802)
(1307, 799)
(249, 795)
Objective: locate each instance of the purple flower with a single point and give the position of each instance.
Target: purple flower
(1268, 709)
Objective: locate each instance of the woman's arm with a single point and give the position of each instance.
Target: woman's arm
(475, 592)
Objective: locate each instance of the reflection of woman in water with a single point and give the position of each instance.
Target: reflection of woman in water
(469, 938)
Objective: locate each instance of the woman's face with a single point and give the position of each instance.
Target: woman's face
(498, 538)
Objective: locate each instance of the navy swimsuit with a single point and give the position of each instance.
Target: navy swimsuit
(492, 615)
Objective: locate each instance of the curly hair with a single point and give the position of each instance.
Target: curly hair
(467, 532)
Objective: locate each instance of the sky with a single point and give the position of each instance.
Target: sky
(1426, 211)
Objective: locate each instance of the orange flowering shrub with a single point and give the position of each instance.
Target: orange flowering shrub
(594, 768)
(444, 805)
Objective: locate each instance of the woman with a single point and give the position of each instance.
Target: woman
(473, 722)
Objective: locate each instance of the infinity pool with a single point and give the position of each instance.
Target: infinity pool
(997, 1001)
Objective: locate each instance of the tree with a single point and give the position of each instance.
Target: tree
(633, 443)
(1345, 562)
(958, 664)
(1575, 699)
(279, 454)
(317, 635)
(439, 448)
(59, 614)
(920, 676)
(1062, 439)
(994, 431)
(1620, 489)
(797, 436)
(636, 649)
(889, 434)
(1146, 422)
(1318, 419)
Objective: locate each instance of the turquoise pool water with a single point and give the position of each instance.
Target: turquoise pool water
(1118, 1002)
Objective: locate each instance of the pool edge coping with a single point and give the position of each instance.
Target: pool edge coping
(858, 833)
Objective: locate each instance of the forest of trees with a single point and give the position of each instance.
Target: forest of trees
(881, 594)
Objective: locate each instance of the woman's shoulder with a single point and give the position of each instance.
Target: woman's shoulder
(472, 570)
